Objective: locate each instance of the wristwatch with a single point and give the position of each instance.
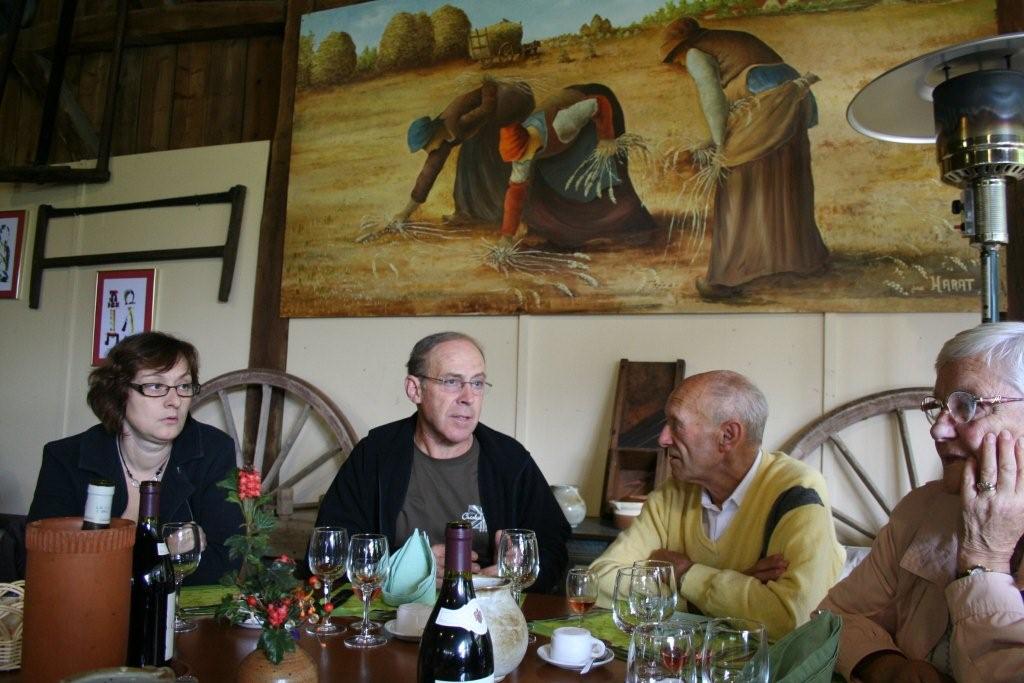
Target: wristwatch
(974, 571)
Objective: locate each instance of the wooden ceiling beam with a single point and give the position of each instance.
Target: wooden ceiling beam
(166, 25)
(320, 5)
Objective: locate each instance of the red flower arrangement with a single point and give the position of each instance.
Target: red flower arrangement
(267, 591)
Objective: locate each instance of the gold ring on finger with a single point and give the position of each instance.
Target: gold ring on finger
(984, 487)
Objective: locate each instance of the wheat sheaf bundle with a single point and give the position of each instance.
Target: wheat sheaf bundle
(697, 192)
(599, 169)
(510, 256)
(373, 228)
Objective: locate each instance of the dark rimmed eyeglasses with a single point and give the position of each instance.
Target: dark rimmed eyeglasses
(453, 385)
(961, 405)
(156, 390)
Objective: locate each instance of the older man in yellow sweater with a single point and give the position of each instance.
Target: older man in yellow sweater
(750, 533)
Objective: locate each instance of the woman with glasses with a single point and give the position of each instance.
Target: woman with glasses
(939, 596)
(141, 394)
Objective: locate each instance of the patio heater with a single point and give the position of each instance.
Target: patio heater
(969, 100)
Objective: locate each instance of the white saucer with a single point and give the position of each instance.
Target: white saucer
(544, 652)
(392, 628)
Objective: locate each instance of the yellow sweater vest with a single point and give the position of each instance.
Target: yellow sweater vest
(805, 536)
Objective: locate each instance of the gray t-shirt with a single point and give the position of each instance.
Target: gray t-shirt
(441, 491)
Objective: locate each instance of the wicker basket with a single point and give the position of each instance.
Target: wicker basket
(12, 608)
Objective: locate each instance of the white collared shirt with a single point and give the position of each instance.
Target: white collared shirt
(714, 519)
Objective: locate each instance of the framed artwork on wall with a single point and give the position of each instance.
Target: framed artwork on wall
(124, 306)
(547, 158)
(12, 232)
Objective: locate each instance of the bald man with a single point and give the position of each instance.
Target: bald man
(749, 533)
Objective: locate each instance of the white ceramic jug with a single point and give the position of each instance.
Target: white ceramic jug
(572, 504)
(505, 622)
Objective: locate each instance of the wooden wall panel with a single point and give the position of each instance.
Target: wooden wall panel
(170, 96)
(126, 111)
(61, 150)
(49, 11)
(153, 131)
(87, 7)
(9, 122)
(225, 92)
(188, 112)
(1010, 15)
(92, 86)
(26, 135)
(262, 82)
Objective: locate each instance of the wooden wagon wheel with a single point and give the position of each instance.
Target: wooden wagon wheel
(827, 428)
(309, 400)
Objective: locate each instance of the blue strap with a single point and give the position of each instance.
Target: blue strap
(768, 76)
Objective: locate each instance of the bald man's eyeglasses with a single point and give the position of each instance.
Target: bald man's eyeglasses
(453, 385)
(961, 405)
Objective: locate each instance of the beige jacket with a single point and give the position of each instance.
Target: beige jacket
(905, 593)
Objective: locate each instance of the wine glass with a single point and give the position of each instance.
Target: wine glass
(518, 559)
(185, 543)
(654, 590)
(367, 570)
(327, 548)
(581, 591)
(624, 609)
(735, 651)
(663, 652)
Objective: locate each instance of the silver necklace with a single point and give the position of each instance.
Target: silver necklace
(131, 477)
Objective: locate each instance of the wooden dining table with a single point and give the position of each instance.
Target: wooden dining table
(213, 651)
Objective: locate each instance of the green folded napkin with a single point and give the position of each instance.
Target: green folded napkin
(353, 606)
(411, 572)
(807, 654)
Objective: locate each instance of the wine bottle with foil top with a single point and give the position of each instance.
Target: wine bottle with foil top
(151, 620)
(456, 645)
(98, 499)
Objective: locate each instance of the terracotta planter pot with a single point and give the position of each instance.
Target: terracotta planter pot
(295, 667)
(77, 590)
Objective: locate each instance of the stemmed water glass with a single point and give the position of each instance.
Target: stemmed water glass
(663, 652)
(735, 651)
(581, 591)
(518, 559)
(367, 570)
(185, 543)
(653, 590)
(624, 609)
(327, 549)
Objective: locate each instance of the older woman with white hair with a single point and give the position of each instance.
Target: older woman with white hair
(939, 596)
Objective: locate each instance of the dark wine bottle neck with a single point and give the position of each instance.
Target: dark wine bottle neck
(149, 501)
(457, 554)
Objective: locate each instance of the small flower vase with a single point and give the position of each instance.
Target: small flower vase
(295, 667)
(573, 506)
(505, 622)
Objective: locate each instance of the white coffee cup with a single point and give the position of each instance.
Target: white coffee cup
(412, 617)
(575, 646)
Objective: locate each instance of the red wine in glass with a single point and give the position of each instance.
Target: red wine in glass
(673, 658)
(581, 604)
